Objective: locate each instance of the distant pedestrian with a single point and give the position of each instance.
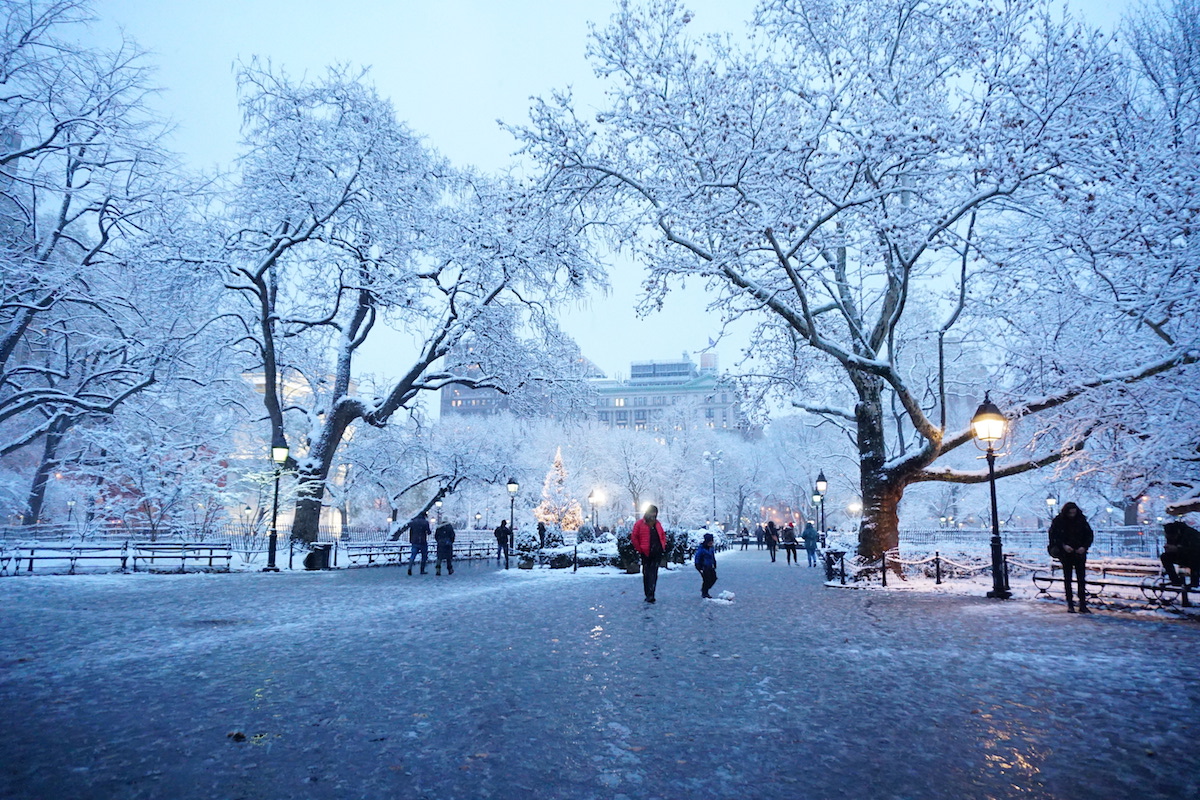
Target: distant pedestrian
(758, 535)
(789, 544)
(502, 534)
(650, 541)
(1182, 547)
(772, 537)
(745, 538)
(444, 536)
(706, 564)
(810, 543)
(1070, 538)
(541, 535)
(418, 538)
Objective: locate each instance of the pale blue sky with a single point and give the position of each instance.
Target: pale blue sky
(451, 68)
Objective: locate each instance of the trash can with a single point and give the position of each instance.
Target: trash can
(318, 555)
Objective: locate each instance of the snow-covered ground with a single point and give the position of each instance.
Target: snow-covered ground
(552, 684)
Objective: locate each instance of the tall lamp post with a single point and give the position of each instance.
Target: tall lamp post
(989, 427)
(478, 517)
(513, 486)
(822, 487)
(70, 510)
(713, 459)
(279, 454)
(592, 506)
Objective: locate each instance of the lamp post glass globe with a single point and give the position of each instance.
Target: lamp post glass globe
(513, 486)
(822, 484)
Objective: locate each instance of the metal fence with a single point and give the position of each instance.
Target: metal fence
(1131, 542)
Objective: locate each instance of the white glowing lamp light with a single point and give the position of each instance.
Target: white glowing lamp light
(988, 424)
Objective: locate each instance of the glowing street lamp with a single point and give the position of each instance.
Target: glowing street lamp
(513, 486)
(989, 427)
(279, 455)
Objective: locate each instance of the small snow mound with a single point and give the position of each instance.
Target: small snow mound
(725, 595)
(724, 598)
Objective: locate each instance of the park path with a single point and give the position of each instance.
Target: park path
(367, 683)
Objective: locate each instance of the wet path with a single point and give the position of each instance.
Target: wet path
(368, 683)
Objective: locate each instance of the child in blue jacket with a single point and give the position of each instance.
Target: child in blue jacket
(706, 564)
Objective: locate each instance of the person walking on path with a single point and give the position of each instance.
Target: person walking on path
(650, 541)
(772, 538)
(444, 536)
(810, 543)
(706, 565)
(502, 534)
(1182, 547)
(1070, 538)
(745, 538)
(789, 544)
(418, 538)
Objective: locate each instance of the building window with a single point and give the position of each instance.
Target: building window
(639, 415)
(619, 402)
(622, 416)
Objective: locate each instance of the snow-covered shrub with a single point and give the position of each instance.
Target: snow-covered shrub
(588, 533)
(526, 540)
(554, 536)
(625, 552)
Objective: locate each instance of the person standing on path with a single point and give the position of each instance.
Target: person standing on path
(444, 536)
(650, 541)
(789, 544)
(810, 543)
(745, 538)
(1070, 538)
(706, 565)
(502, 534)
(772, 539)
(418, 538)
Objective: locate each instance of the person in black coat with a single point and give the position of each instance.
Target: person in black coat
(502, 534)
(1070, 538)
(1182, 548)
(418, 536)
(444, 536)
(772, 538)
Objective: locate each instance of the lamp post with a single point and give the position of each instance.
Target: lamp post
(822, 487)
(713, 459)
(989, 427)
(513, 486)
(1051, 502)
(478, 517)
(279, 455)
(819, 513)
(70, 510)
(437, 515)
(592, 506)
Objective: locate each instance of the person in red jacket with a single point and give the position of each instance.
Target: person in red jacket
(649, 547)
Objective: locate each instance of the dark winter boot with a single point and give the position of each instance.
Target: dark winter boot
(1070, 606)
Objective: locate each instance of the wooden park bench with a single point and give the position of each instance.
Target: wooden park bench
(151, 554)
(1121, 581)
(72, 554)
(375, 553)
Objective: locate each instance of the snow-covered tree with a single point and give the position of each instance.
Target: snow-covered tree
(558, 507)
(344, 224)
(89, 207)
(845, 177)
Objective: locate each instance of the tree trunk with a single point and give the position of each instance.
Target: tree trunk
(881, 491)
(309, 495)
(41, 477)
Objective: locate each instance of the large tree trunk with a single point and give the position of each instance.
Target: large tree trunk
(309, 496)
(41, 477)
(881, 492)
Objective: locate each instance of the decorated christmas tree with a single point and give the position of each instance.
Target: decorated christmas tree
(557, 508)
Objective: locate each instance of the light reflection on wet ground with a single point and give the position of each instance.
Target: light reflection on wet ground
(368, 683)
